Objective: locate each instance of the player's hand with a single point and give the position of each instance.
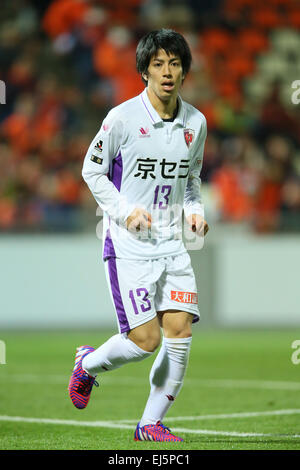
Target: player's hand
(197, 224)
(138, 220)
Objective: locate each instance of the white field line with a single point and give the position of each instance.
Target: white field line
(67, 422)
(111, 424)
(132, 381)
(250, 414)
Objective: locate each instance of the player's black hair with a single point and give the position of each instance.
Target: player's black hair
(167, 39)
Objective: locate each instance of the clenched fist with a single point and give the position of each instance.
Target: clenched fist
(138, 220)
(197, 224)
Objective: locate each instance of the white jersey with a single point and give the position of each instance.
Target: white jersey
(138, 160)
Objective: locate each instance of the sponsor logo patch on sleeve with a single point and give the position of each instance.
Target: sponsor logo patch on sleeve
(96, 159)
(98, 146)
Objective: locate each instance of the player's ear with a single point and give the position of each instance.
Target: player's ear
(145, 76)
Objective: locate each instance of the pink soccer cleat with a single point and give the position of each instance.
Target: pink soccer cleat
(81, 383)
(155, 432)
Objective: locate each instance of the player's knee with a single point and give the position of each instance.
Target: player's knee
(151, 346)
(146, 338)
(178, 330)
(184, 333)
(150, 343)
(176, 324)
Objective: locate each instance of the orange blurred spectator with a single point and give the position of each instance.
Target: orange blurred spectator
(274, 117)
(8, 213)
(47, 121)
(238, 10)
(267, 204)
(122, 11)
(228, 87)
(114, 58)
(266, 17)
(63, 15)
(252, 40)
(239, 63)
(236, 204)
(293, 17)
(209, 111)
(68, 188)
(17, 127)
(31, 125)
(215, 41)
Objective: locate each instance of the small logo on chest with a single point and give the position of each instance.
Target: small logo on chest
(144, 132)
(189, 135)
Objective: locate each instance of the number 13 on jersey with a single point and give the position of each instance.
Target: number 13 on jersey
(161, 196)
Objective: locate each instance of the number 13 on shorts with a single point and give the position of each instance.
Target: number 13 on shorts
(150, 286)
(142, 294)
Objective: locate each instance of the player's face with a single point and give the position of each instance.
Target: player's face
(164, 75)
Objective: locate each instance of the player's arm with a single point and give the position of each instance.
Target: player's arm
(103, 149)
(193, 205)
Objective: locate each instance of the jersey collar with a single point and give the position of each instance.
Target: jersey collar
(155, 117)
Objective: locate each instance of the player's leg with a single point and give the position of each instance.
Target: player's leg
(175, 323)
(168, 370)
(136, 345)
(117, 351)
(146, 336)
(166, 376)
(139, 329)
(132, 287)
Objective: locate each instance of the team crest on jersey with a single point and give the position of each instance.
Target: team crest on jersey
(189, 135)
(144, 132)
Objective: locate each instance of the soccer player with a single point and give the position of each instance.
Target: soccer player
(143, 170)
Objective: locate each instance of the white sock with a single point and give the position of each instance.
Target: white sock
(115, 352)
(166, 378)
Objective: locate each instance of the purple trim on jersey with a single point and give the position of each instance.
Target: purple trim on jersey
(147, 108)
(115, 176)
(108, 250)
(115, 289)
(116, 171)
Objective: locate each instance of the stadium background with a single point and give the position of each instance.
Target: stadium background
(65, 63)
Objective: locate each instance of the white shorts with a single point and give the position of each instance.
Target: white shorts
(141, 288)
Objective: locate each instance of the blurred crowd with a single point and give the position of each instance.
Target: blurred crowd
(65, 63)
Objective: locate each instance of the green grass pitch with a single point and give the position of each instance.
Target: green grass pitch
(241, 391)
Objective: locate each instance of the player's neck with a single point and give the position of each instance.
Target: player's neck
(165, 108)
